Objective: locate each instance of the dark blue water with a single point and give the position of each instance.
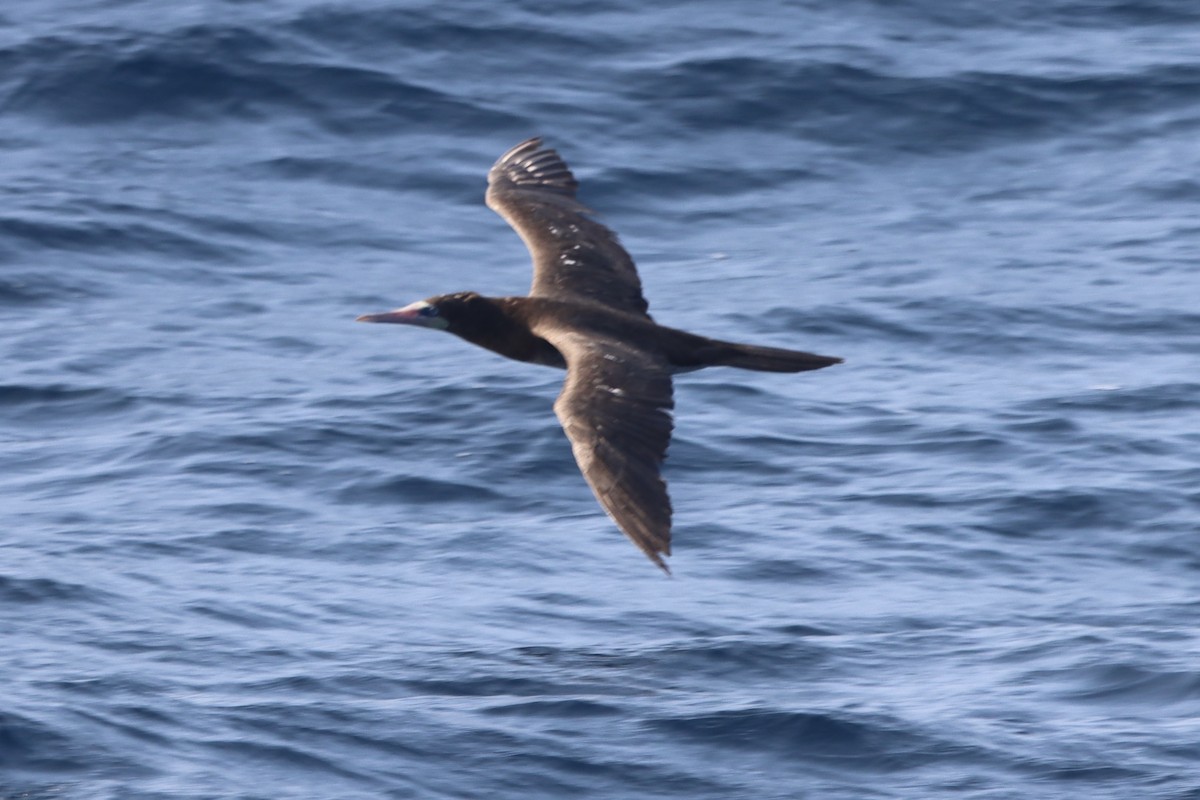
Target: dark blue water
(250, 549)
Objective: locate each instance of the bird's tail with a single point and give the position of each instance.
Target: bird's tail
(768, 359)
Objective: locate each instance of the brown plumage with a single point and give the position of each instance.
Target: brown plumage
(585, 312)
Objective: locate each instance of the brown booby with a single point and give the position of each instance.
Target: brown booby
(585, 312)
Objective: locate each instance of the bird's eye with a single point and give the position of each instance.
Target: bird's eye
(429, 311)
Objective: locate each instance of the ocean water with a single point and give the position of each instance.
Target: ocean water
(250, 549)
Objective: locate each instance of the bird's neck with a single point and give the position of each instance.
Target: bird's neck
(498, 325)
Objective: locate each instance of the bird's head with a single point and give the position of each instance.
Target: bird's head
(440, 312)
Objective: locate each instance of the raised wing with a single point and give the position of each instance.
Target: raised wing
(615, 408)
(575, 258)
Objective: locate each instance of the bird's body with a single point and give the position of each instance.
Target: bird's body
(585, 312)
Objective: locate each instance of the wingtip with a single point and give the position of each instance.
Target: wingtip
(529, 166)
(532, 143)
(657, 557)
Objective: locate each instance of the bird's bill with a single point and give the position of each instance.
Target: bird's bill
(411, 314)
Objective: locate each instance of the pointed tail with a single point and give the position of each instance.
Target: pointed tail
(768, 359)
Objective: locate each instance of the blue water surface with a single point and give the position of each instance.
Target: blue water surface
(252, 550)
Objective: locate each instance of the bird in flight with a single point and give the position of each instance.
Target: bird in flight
(585, 313)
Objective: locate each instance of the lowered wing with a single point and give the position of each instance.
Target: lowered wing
(615, 408)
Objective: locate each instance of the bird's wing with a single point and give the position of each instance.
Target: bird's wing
(574, 257)
(615, 408)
